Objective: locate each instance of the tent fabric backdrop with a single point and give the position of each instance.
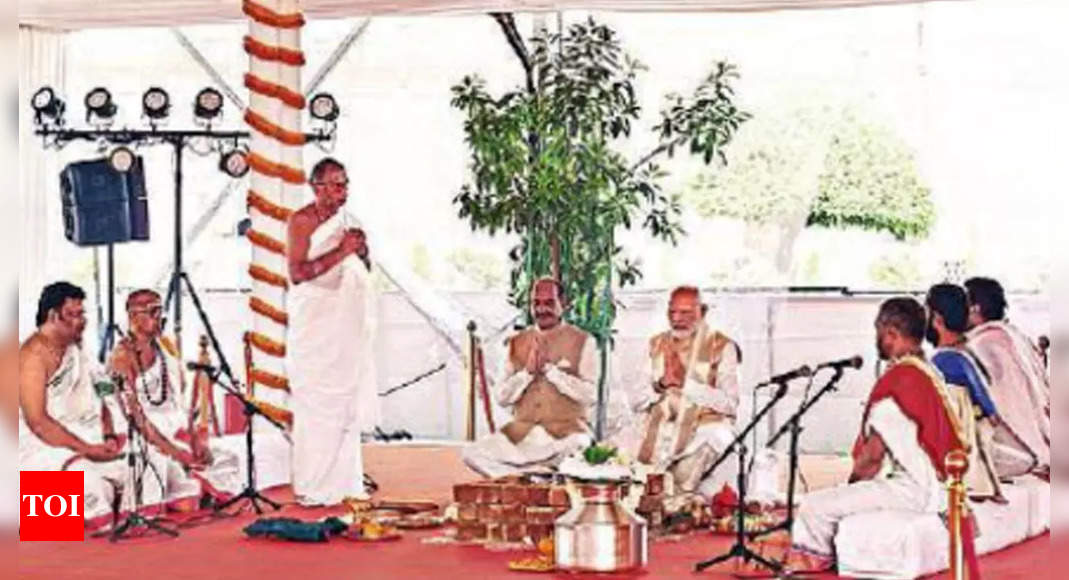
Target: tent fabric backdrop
(75, 14)
(41, 63)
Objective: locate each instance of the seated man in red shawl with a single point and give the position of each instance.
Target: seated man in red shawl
(906, 434)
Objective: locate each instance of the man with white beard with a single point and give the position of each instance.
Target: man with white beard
(694, 387)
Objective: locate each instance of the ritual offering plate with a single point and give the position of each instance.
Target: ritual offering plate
(414, 506)
(372, 532)
(538, 564)
(387, 538)
(751, 523)
(419, 522)
(578, 468)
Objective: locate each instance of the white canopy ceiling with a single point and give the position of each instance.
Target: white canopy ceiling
(75, 14)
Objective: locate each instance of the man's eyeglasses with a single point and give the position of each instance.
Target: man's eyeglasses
(153, 311)
(331, 184)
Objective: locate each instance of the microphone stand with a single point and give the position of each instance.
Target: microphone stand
(250, 410)
(738, 446)
(134, 519)
(250, 492)
(794, 427)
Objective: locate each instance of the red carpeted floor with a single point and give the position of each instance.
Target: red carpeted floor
(218, 549)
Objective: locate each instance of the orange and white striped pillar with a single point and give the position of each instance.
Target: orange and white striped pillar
(276, 158)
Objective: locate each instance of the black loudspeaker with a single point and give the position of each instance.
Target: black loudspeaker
(103, 206)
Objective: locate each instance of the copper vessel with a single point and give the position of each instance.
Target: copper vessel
(600, 534)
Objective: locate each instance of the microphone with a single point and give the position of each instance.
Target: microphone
(197, 367)
(854, 362)
(800, 372)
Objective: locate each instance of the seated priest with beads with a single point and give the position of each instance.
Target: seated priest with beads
(189, 467)
(550, 383)
(692, 394)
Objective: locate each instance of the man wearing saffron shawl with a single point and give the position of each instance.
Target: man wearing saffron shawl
(907, 432)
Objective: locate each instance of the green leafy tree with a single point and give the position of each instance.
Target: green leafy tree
(818, 167)
(547, 165)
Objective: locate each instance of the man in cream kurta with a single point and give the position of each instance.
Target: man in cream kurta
(693, 394)
(330, 344)
(550, 383)
(1019, 383)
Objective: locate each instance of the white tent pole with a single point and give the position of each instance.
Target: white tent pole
(217, 78)
(336, 57)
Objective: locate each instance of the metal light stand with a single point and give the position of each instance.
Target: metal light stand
(107, 337)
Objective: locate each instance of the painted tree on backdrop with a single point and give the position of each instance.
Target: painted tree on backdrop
(547, 163)
(825, 167)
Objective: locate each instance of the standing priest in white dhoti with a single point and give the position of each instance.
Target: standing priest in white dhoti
(330, 343)
(63, 423)
(550, 383)
(692, 394)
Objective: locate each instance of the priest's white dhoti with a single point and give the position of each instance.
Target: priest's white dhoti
(908, 482)
(74, 404)
(168, 410)
(331, 367)
(495, 456)
(1020, 388)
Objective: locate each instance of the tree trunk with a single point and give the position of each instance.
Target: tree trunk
(788, 236)
(554, 256)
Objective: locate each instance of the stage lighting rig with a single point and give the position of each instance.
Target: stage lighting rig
(156, 105)
(208, 106)
(48, 106)
(100, 108)
(119, 145)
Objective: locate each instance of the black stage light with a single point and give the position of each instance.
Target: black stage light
(324, 108)
(156, 104)
(208, 105)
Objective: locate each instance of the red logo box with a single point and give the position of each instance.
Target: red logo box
(52, 506)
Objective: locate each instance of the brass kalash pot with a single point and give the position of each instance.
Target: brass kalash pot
(600, 534)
